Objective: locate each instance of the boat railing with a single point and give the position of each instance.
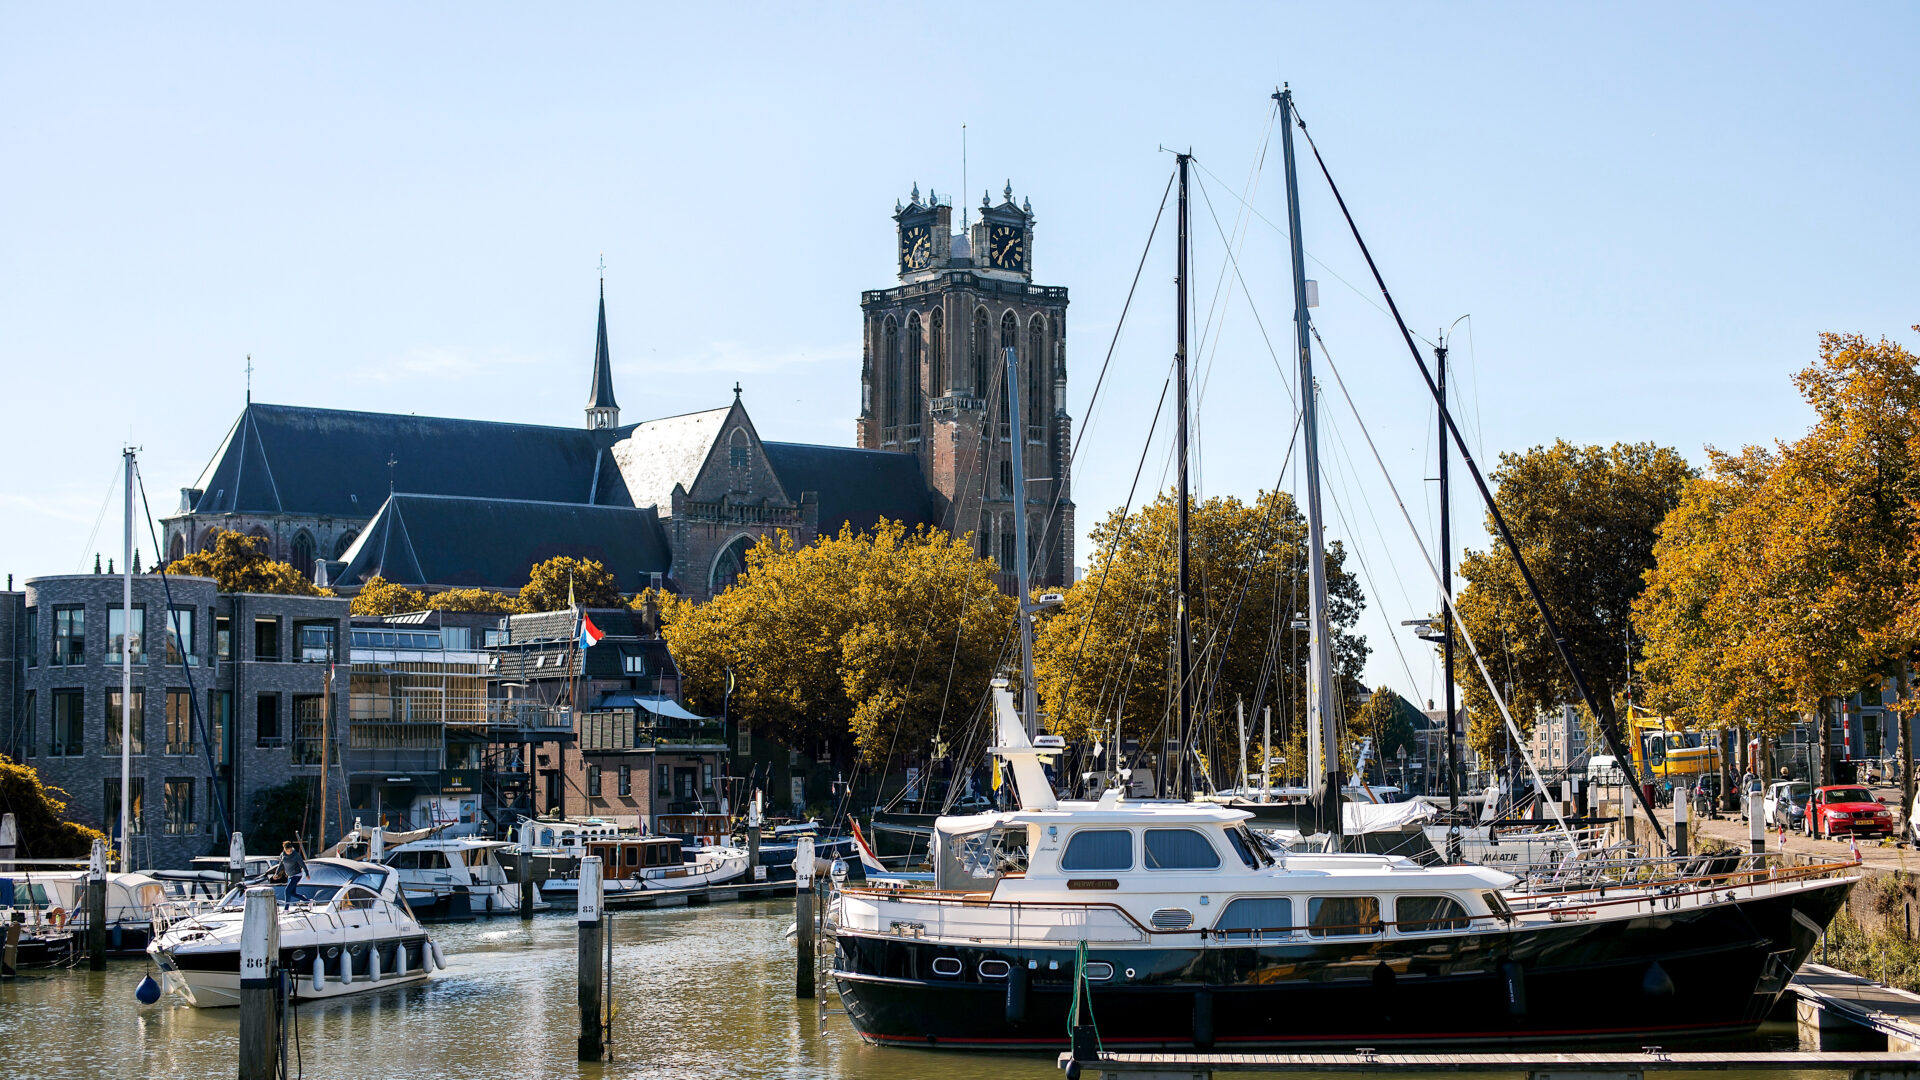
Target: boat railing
(1633, 880)
(1005, 923)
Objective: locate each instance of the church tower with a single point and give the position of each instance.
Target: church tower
(933, 377)
(602, 410)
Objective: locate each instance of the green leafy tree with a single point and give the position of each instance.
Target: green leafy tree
(550, 582)
(38, 812)
(1585, 518)
(863, 643)
(238, 563)
(1106, 654)
(1390, 721)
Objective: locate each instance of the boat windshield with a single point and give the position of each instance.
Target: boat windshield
(994, 852)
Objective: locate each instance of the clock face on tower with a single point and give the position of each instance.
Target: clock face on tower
(1007, 248)
(916, 248)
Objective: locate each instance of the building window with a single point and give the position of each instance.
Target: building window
(593, 781)
(892, 391)
(1036, 377)
(915, 403)
(982, 349)
(69, 724)
(302, 559)
(316, 641)
(267, 720)
(626, 781)
(177, 802)
(136, 811)
(310, 728)
(220, 724)
(137, 722)
(266, 639)
(553, 792)
(1009, 339)
(1006, 479)
(633, 661)
(29, 732)
(1006, 550)
(341, 545)
(737, 450)
(666, 781)
(33, 637)
(180, 637)
(936, 354)
(179, 722)
(706, 778)
(222, 638)
(69, 635)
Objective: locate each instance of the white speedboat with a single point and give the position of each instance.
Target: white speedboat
(437, 874)
(634, 865)
(59, 899)
(344, 929)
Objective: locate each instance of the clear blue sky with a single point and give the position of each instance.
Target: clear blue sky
(1650, 212)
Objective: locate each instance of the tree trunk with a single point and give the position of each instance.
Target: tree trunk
(1823, 734)
(1904, 684)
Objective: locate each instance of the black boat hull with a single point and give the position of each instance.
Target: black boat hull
(1715, 969)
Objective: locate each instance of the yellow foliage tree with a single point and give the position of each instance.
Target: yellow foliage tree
(550, 582)
(382, 597)
(1105, 656)
(238, 564)
(867, 643)
(475, 600)
(37, 809)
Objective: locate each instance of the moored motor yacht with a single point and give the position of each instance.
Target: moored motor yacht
(631, 866)
(58, 900)
(455, 878)
(344, 929)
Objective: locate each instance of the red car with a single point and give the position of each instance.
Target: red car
(1847, 808)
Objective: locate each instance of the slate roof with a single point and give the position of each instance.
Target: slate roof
(418, 539)
(657, 454)
(291, 459)
(856, 487)
(600, 396)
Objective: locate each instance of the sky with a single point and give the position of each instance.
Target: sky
(1649, 213)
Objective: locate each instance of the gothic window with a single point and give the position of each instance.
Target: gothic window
(738, 455)
(937, 354)
(1006, 478)
(1036, 375)
(730, 564)
(912, 389)
(1009, 339)
(303, 553)
(209, 539)
(890, 356)
(341, 545)
(177, 548)
(1006, 548)
(263, 543)
(982, 347)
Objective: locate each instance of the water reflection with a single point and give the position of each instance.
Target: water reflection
(701, 992)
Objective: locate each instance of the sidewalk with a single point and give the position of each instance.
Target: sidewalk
(1884, 855)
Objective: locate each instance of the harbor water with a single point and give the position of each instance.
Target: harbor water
(701, 992)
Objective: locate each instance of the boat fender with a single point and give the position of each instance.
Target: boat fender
(346, 964)
(1656, 983)
(113, 936)
(319, 972)
(1515, 978)
(1203, 1019)
(147, 992)
(439, 958)
(1016, 995)
(373, 962)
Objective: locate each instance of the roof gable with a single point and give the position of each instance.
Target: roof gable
(655, 456)
(438, 540)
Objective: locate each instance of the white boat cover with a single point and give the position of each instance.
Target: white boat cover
(1360, 818)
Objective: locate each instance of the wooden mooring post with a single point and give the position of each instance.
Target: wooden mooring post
(10, 958)
(803, 917)
(259, 986)
(592, 903)
(97, 908)
(1756, 825)
(526, 885)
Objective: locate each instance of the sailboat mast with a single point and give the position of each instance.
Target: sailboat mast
(1323, 753)
(126, 670)
(1183, 644)
(1446, 625)
(1029, 708)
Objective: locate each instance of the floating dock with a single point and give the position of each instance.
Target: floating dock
(700, 895)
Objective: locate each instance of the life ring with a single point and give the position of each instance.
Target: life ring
(57, 917)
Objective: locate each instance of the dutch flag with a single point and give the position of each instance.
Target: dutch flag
(590, 634)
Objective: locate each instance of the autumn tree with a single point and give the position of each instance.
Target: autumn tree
(1105, 657)
(474, 600)
(382, 597)
(239, 563)
(1585, 519)
(865, 643)
(550, 584)
(39, 815)
(1390, 721)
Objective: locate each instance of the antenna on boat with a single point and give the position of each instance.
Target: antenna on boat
(1323, 739)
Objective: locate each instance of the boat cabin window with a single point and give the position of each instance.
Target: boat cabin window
(1497, 904)
(354, 898)
(1429, 914)
(478, 856)
(633, 856)
(1254, 918)
(1099, 849)
(375, 880)
(1180, 849)
(995, 852)
(1343, 916)
(1249, 849)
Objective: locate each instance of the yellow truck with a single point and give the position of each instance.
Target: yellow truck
(1662, 753)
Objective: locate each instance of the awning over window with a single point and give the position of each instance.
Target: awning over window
(664, 707)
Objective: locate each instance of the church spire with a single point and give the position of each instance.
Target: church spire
(602, 410)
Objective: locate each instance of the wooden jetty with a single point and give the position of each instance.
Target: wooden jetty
(1827, 1002)
(700, 895)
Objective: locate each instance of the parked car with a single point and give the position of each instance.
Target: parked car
(1786, 804)
(1848, 809)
